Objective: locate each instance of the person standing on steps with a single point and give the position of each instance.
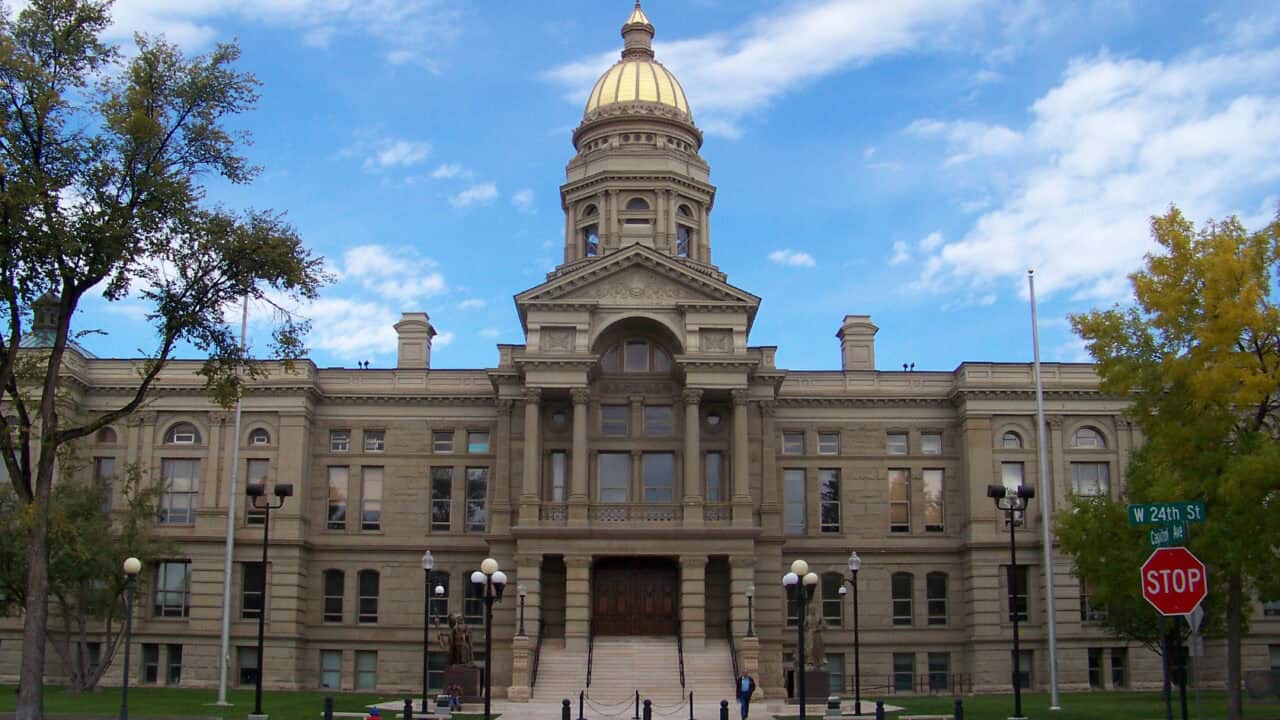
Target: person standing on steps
(746, 686)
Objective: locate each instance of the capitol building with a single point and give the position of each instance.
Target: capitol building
(641, 470)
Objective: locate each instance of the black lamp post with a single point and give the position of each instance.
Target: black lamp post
(493, 581)
(522, 591)
(1012, 503)
(800, 585)
(132, 566)
(855, 564)
(428, 562)
(751, 595)
(257, 495)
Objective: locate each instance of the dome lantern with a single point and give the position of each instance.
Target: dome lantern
(637, 36)
(637, 77)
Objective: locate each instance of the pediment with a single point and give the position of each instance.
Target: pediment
(637, 276)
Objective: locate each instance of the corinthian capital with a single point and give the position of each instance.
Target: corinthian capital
(581, 395)
(691, 396)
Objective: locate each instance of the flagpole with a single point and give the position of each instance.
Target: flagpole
(232, 496)
(1046, 511)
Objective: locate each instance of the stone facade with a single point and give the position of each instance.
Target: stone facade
(636, 421)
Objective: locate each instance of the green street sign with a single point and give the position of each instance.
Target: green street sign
(1168, 535)
(1161, 513)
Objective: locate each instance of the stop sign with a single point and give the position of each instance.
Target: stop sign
(1174, 581)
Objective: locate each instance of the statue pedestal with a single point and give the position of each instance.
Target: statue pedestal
(466, 677)
(816, 688)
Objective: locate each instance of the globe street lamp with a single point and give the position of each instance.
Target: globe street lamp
(428, 562)
(751, 594)
(855, 564)
(493, 581)
(257, 494)
(1011, 504)
(800, 585)
(132, 566)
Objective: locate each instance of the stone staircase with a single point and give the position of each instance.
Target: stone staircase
(708, 672)
(561, 673)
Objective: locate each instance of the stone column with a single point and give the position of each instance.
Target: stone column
(693, 601)
(578, 481)
(741, 461)
(749, 662)
(742, 573)
(570, 234)
(692, 480)
(530, 490)
(500, 518)
(214, 467)
(1059, 480)
(770, 506)
(577, 601)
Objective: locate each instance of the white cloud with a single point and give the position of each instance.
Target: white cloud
(398, 153)
(446, 171)
(489, 332)
(731, 73)
(901, 253)
(523, 199)
(793, 258)
(476, 194)
(394, 274)
(472, 304)
(351, 329)
(969, 140)
(443, 339)
(1116, 141)
(931, 241)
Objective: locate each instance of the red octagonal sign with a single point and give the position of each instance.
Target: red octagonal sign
(1174, 580)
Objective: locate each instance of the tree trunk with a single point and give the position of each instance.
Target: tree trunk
(36, 623)
(1235, 620)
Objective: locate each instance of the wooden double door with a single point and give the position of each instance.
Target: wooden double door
(635, 596)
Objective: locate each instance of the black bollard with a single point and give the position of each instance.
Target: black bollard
(408, 709)
(582, 694)
(690, 705)
(637, 717)
(328, 707)
(648, 709)
(565, 710)
(724, 710)
(879, 710)
(958, 713)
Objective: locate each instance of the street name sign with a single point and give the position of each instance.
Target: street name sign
(1161, 513)
(1174, 581)
(1167, 535)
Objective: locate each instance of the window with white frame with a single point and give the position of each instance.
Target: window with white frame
(896, 443)
(832, 600)
(931, 443)
(371, 498)
(441, 498)
(932, 480)
(442, 441)
(375, 440)
(366, 669)
(256, 471)
(1088, 438)
(904, 672)
(559, 473)
(182, 434)
(899, 500)
(477, 516)
(659, 421)
(173, 589)
(657, 476)
(1120, 667)
(614, 477)
(793, 443)
(259, 436)
(247, 665)
(615, 420)
(829, 500)
(828, 443)
(334, 590)
(939, 671)
(253, 590)
(339, 440)
(714, 471)
(1011, 478)
(336, 518)
(477, 442)
(179, 500)
(331, 669)
(900, 588)
(1011, 440)
(1091, 479)
(1016, 585)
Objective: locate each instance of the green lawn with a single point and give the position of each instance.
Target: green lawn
(147, 702)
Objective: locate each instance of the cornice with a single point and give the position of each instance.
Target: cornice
(587, 186)
(806, 402)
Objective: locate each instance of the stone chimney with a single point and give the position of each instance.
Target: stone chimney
(857, 343)
(414, 332)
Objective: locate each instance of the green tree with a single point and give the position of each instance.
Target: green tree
(1198, 356)
(86, 544)
(102, 164)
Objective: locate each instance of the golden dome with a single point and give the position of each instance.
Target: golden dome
(637, 77)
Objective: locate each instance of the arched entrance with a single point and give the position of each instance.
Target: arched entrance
(635, 596)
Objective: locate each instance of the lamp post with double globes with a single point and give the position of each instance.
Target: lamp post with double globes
(428, 562)
(258, 500)
(132, 566)
(855, 564)
(1011, 504)
(492, 581)
(800, 585)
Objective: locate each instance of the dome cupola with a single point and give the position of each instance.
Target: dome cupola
(637, 77)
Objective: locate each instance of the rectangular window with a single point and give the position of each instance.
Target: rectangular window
(895, 443)
(829, 500)
(1088, 611)
(828, 443)
(900, 587)
(173, 675)
(255, 474)
(371, 498)
(1017, 587)
(635, 356)
(1120, 667)
(899, 500)
(435, 673)
(933, 515)
(247, 665)
(1091, 479)
(832, 601)
(477, 443)
(939, 671)
(337, 517)
(935, 588)
(835, 673)
(904, 672)
(93, 651)
(334, 589)
(150, 663)
(614, 420)
(793, 609)
(339, 440)
(658, 421)
(1011, 478)
(477, 499)
(179, 500)
(442, 441)
(793, 494)
(441, 497)
(1274, 650)
(104, 473)
(559, 470)
(930, 443)
(1025, 662)
(473, 603)
(793, 443)
(614, 478)
(375, 440)
(1095, 668)
(714, 472)
(658, 475)
(173, 588)
(331, 669)
(439, 600)
(367, 596)
(366, 670)
(1271, 608)
(253, 587)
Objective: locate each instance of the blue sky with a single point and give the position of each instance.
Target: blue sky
(908, 160)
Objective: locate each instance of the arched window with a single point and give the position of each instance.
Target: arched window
(935, 588)
(684, 238)
(367, 596)
(590, 211)
(684, 211)
(637, 203)
(334, 588)
(900, 587)
(636, 212)
(591, 241)
(259, 436)
(1087, 437)
(832, 601)
(106, 436)
(1011, 441)
(636, 356)
(182, 434)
